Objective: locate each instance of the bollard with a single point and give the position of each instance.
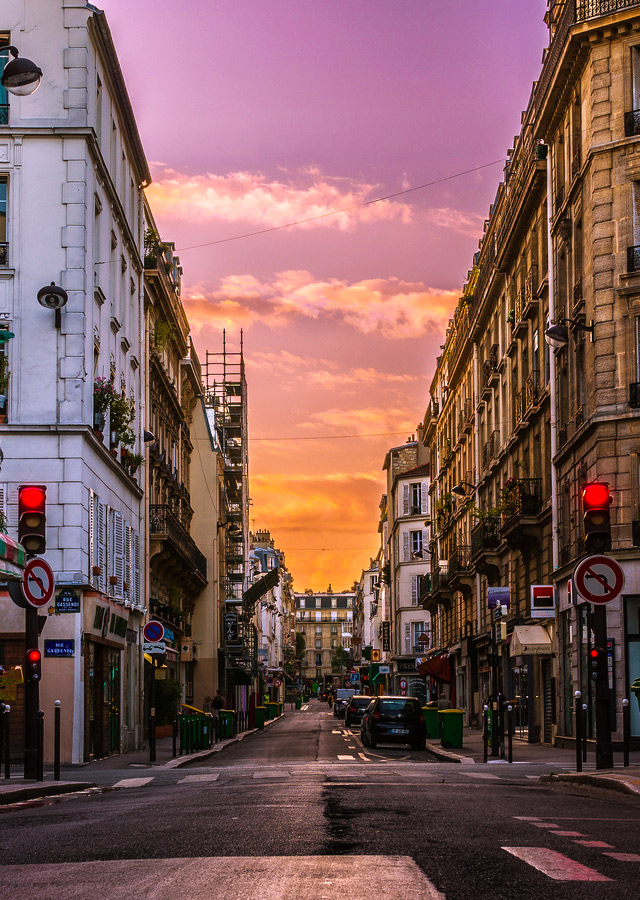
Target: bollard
(485, 731)
(1, 735)
(56, 741)
(510, 730)
(626, 728)
(584, 732)
(174, 752)
(181, 722)
(152, 733)
(40, 759)
(7, 741)
(578, 729)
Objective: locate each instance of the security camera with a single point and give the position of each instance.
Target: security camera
(52, 296)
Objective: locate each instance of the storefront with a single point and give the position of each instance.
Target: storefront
(531, 683)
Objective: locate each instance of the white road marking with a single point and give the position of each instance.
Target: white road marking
(575, 834)
(351, 757)
(365, 758)
(306, 706)
(624, 857)
(194, 778)
(555, 865)
(545, 825)
(599, 845)
(132, 782)
(231, 877)
(484, 775)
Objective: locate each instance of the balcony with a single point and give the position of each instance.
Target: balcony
(485, 536)
(490, 449)
(520, 505)
(578, 297)
(165, 527)
(4, 113)
(633, 259)
(530, 290)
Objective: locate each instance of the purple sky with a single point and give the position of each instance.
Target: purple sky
(255, 113)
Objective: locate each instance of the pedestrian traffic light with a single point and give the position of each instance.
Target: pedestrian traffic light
(596, 500)
(33, 667)
(597, 662)
(32, 514)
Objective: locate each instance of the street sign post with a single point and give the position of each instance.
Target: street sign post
(38, 583)
(599, 579)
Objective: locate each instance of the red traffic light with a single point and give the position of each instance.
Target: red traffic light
(34, 661)
(596, 496)
(596, 500)
(32, 505)
(594, 653)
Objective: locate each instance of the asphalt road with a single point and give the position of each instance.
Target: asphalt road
(302, 810)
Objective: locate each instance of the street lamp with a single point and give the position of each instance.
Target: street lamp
(20, 76)
(557, 336)
(459, 489)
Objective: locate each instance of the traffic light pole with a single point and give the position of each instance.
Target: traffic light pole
(604, 750)
(31, 698)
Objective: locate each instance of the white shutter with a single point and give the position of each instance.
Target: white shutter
(425, 542)
(424, 499)
(414, 589)
(407, 637)
(3, 501)
(128, 559)
(406, 549)
(136, 568)
(118, 553)
(11, 511)
(92, 535)
(405, 500)
(102, 546)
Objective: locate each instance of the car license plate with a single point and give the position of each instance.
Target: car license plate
(399, 731)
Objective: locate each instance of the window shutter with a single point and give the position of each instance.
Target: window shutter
(405, 499)
(102, 546)
(118, 553)
(11, 511)
(424, 499)
(92, 535)
(407, 637)
(414, 589)
(3, 500)
(128, 563)
(406, 549)
(425, 542)
(136, 569)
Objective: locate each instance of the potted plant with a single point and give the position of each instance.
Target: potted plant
(4, 382)
(163, 332)
(103, 396)
(122, 413)
(132, 461)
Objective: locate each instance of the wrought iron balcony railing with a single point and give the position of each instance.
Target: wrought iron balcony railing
(163, 522)
(485, 535)
(459, 562)
(524, 499)
(4, 113)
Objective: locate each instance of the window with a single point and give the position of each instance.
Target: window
(334, 629)
(318, 643)
(419, 629)
(414, 543)
(4, 97)
(4, 247)
(318, 629)
(318, 659)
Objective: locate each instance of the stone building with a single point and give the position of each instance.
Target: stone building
(517, 428)
(326, 620)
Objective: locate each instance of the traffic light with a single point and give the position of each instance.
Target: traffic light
(596, 500)
(33, 668)
(32, 514)
(597, 662)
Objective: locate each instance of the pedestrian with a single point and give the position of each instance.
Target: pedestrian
(444, 702)
(217, 704)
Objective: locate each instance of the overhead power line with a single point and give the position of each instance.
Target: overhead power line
(337, 212)
(331, 437)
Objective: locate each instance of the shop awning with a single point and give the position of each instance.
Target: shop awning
(11, 559)
(438, 667)
(260, 588)
(530, 640)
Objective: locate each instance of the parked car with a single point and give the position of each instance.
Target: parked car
(355, 710)
(343, 695)
(397, 720)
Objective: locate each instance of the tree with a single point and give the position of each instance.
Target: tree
(341, 658)
(301, 646)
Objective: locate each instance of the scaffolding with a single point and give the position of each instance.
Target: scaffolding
(225, 385)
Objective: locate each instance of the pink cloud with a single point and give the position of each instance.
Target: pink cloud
(252, 197)
(389, 307)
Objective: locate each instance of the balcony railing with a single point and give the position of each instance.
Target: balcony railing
(490, 449)
(531, 285)
(439, 577)
(4, 254)
(460, 560)
(523, 499)
(4, 113)
(590, 9)
(163, 522)
(485, 535)
(632, 123)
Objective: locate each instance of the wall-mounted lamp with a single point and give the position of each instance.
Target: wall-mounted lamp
(53, 297)
(459, 489)
(148, 437)
(557, 336)
(20, 76)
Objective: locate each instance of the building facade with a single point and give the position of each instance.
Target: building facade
(326, 621)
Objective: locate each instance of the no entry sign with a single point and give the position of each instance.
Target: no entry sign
(599, 579)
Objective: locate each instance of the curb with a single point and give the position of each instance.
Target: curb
(181, 761)
(19, 794)
(447, 756)
(602, 781)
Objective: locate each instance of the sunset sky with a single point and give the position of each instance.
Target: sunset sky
(258, 113)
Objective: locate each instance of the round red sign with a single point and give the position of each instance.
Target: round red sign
(38, 582)
(599, 579)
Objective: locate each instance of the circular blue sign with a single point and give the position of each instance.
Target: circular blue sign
(153, 632)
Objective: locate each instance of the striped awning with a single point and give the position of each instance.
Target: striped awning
(11, 559)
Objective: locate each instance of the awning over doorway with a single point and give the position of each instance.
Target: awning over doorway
(530, 640)
(439, 667)
(11, 559)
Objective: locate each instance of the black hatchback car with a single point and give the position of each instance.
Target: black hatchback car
(356, 708)
(397, 720)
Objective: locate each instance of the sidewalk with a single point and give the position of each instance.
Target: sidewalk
(619, 778)
(17, 789)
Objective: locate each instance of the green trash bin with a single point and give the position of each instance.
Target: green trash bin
(451, 727)
(431, 722)
(260, 716)
(227, 717)
(298, 702)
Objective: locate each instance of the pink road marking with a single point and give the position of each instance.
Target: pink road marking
(601, 845)
(545, 825)
(555, 865)
(570, 833)
(624, 857)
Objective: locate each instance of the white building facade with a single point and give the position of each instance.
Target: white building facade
(72, 169)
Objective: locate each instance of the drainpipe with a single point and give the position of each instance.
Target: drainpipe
(553, 420)
(476, 450)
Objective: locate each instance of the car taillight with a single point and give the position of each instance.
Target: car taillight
(353, 709)
(376, 716)
(421, 717)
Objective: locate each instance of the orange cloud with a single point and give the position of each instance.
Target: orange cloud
(389, 307)
(324, 373)
(464, 223)
(252, 197)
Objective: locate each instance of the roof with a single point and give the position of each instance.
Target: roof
(424, 469)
